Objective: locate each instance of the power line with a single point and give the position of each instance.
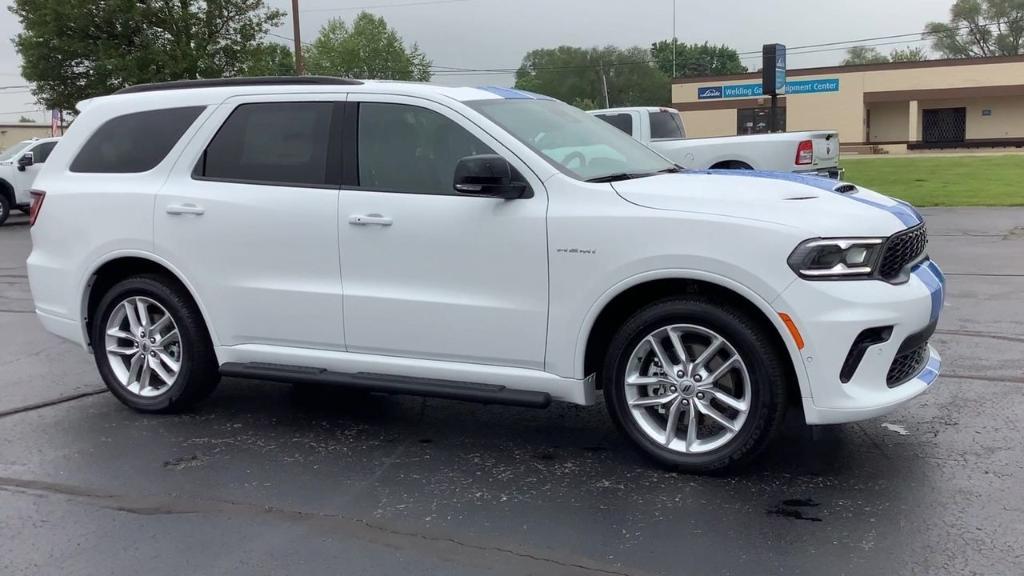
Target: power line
(401, 5)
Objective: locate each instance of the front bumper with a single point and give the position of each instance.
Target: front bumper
(830, 316)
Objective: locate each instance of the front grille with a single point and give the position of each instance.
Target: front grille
(902, 249)
(906, 365)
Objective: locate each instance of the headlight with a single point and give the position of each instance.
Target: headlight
(829, 258)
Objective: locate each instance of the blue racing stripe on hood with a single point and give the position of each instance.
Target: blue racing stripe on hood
(905, 212)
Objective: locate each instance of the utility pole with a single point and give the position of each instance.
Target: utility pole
(300, 68)
(604, 84)
(673, 39)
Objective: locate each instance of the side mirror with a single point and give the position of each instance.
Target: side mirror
(26, 160)
(490, 175)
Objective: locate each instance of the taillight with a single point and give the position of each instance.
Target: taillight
(37, 204)
(805, 153)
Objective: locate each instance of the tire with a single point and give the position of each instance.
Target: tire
(5, 208)
(198, 372)
(754, 382)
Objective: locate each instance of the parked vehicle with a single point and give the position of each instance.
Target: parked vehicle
(19, 165)
(479, 244)
(815, 152)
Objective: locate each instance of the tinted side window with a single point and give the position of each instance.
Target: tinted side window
(42, 152)
(666, 125)
(272, 143)
(411, 149)
(623, 122)
(134, 142)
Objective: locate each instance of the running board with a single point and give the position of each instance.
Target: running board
(465, 391)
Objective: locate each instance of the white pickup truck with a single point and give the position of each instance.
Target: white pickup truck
(815, 152)
(19, 165)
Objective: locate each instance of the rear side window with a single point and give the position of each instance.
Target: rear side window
(666, 125)
(134, 142)
(623, 122)
(280, 143)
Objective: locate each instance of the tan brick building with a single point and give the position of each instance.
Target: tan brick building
(936, 104)
(14, 133)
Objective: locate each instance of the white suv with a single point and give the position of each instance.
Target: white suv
(479, 244)
(19, 166)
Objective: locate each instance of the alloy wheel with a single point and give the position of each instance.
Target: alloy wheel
(687, 388)
(144, 347)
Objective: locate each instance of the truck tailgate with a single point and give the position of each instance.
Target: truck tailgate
(826, 148)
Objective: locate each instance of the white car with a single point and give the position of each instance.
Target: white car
(479, 244)
(810, 152)
(19, 165)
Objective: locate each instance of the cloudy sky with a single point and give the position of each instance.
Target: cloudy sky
(496, 33)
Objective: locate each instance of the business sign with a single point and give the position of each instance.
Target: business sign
(773, 69)
(792, 88)
(709, 92)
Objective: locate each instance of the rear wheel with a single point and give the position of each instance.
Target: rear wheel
(697, 385)
(151, 345)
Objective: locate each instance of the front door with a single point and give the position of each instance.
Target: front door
(429, 273)
(249, 216)
(24, 179)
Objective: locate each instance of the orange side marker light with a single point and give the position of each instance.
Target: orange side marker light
(792, 330)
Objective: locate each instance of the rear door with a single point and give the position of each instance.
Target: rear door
(249, 216)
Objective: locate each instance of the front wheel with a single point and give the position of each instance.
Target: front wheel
(152, 347)
(5, 209)
(696, 384)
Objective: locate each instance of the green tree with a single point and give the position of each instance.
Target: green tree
(25, 120)
(73, 49)
(913, 54)
(368, 49)
(864, 55)
(696, 59)
(579, 76)
(980, 28)
(270, 59)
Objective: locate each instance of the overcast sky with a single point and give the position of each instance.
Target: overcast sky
(496, 33)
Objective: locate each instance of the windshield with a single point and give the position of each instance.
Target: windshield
(10, 153)
(575, 142)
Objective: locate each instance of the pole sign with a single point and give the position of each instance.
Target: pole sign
(773, 70)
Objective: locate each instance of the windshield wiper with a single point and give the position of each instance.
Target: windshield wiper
(617, 177)
(620, 176)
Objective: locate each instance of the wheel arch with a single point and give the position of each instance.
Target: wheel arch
(7, 190)
(630, 295)
(731, 165)
(119, 265)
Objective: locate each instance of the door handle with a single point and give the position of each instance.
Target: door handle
(365, 219)
(177, 209)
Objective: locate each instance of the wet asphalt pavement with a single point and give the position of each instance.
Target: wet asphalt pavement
(271, 479)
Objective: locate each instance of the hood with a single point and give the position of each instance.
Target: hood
(818, 205)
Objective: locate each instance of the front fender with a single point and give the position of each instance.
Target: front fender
(751, 296)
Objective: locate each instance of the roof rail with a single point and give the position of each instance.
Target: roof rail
(252, 81)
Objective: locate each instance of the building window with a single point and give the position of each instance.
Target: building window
(757, 120)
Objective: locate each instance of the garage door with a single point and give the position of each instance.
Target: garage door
(943, 125)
